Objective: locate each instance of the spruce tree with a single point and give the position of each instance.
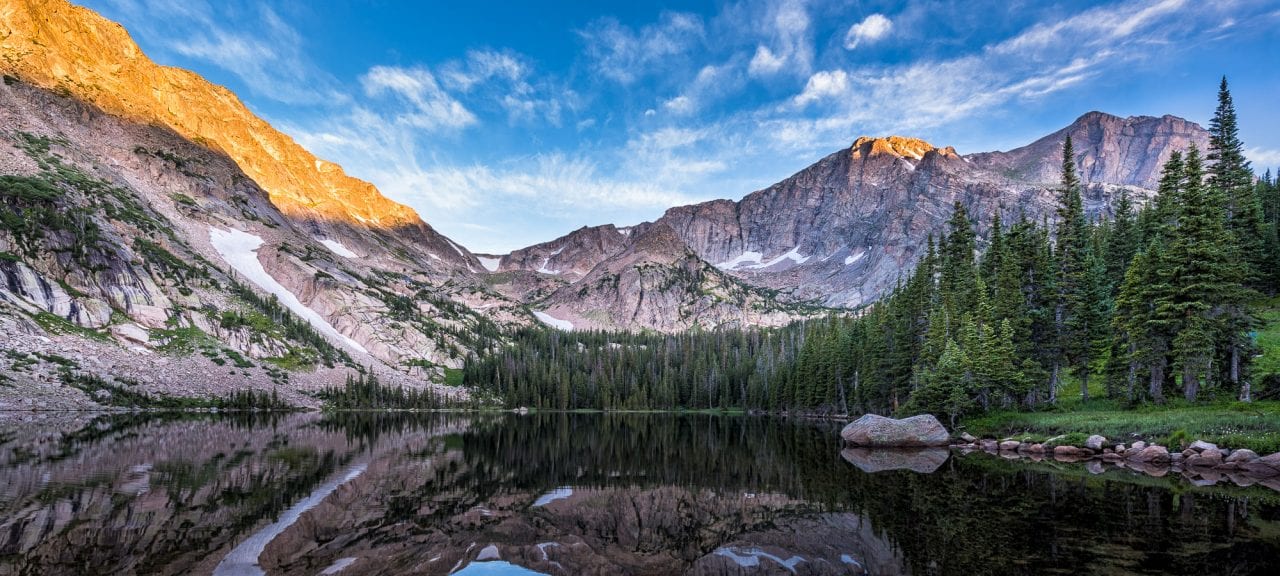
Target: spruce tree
(1203, 274)
(1122, 241)
(1071, 242)
(1231, 178)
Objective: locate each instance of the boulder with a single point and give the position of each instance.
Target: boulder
(1201, 446)
(967, 437)
(914, 432)
(1242, 456)
(1065, 451)
(1095, 442)
(150, 316)
(1148, 454)
(1264, 467)
(1010, 445)
(1036, 448)
(921, 460)
(131, 333)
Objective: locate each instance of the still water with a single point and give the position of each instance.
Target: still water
(505, 494)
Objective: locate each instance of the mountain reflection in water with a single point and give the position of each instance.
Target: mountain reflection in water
(478, 494)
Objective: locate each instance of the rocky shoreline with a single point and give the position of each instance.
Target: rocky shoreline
(1202, 463)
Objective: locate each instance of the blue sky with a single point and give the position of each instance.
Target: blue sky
(508, 125)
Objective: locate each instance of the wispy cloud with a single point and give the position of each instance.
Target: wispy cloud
(431, 108)
(788, 46)
(257, 45)
(871, 29)
(625, 55)
(1263, 158)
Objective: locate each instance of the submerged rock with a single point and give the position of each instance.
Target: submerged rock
(922, 460)
(917, 431)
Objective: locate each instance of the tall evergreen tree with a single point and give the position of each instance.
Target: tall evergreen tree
(1231, 178)
(1070, 251)
(1122, 242)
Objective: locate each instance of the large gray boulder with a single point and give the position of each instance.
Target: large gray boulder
(878, 431)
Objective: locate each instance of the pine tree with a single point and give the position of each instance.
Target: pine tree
(1070, 251)
(1199, 266)
(955, 284)
(1122, 242)
(1231, 178)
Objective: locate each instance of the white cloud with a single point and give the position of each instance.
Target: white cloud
(260, 48)
(765, 63)
(625, 55)
(1263, 158)
(431, 107)
(823, 85)
(871, 29)
(789, 44)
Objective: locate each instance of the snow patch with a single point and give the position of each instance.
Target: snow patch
(543, 268)
(337, 248)
(490, 264)
(489, 552)
(558, 494)
(552, 321)
(338, 566)
(625, 231)
(751, 256)
(748, 256)
(847, 559)
(240, 250)
(850, 259)
(243, 560)
(750, 558)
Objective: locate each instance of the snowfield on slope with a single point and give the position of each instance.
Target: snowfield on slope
(240, 250)
(552, 321)
(338, 248)
(741, 262)
(490, 264)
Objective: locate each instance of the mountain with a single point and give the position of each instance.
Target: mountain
(157, 238)
(842, 231)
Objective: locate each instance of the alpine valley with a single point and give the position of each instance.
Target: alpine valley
(161, 243)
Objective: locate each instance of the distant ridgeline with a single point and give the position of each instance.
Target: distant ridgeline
(1156, 302)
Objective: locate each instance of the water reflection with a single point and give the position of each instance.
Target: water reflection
(353, 493)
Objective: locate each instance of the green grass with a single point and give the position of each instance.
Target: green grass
(452, 377)
(1268, 338)
(1229, 424)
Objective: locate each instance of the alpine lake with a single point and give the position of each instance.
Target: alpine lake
(554, 493)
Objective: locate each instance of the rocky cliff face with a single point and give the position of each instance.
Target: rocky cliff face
(657, 282)
(842, 231)
(115, 263)
(75, 51)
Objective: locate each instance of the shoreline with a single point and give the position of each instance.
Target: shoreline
(1200, 463)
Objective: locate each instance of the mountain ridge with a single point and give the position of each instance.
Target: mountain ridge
(843, 229)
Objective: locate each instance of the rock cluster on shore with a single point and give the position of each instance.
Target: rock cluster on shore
(1203, 463)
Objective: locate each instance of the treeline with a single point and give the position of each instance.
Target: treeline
(1150, 303)
(550, 369)
(365, 392)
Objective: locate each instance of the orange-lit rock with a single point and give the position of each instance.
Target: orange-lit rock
(74, 50)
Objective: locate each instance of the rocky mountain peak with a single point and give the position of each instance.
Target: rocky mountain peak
(73, 50)
(900, 146)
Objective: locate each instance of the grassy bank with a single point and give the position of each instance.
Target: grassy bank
(1255, 426)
